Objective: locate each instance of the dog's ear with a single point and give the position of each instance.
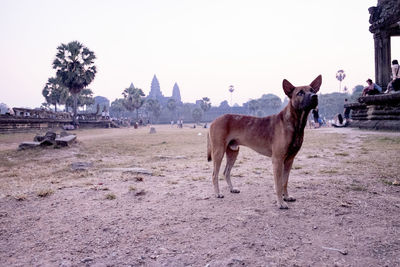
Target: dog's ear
(316, 84)
(287, 88)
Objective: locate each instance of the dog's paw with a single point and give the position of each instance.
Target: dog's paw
(283, 206)
(289, 199)
(235, 191)
(219, 195)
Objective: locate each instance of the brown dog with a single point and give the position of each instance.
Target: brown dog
(279, 136)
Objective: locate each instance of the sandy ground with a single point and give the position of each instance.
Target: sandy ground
(346, 213)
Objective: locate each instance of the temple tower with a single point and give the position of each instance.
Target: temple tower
(176, 93)
(155, 91)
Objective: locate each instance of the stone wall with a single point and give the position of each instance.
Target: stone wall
(379, 112)
(11, 124)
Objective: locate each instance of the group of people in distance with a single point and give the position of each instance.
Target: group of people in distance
(394, 84)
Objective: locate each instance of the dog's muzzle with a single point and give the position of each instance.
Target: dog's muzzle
(314, 100)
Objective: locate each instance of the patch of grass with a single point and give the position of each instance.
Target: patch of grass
(390, 183)
(306, 172)
(328, 171)
(132, 188)
(297, 167)
(198, 178)
(389, 140)
(312, 156)
(158, 173)
(343, 154)
(44, 192)
(356, 187)
(172, 182)
(111, 196)
(335, 181)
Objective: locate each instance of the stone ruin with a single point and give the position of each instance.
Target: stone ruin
(50, 139)
(380, 112)
(24, 119)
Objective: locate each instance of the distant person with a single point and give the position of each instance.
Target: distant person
(338, 121)
(346, 111)
(371, 89)
(394, 84)
(315, 114)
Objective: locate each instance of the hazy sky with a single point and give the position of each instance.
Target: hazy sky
(203, 45)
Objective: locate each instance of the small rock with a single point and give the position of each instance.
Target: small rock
(68, 127)
(81, 166)
(132, 170)
(63, 134)
(140, 193)
(26, 145)
(87, 259)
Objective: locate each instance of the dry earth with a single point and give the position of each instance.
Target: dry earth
(346, 214)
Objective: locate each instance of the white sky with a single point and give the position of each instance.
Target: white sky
(203, 45)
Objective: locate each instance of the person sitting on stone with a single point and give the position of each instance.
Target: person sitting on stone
(371, 89)
(394, 85)
(346, 111)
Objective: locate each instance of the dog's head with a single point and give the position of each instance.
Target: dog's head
(303, 97)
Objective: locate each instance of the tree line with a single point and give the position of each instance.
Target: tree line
(75, 70)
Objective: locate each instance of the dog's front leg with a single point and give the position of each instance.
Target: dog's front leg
(278, 167)
(286, 171)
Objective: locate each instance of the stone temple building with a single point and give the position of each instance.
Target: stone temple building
(380, 111)
(155, 92)
(385, 23)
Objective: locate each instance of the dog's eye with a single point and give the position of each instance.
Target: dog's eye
(300, 93)
(312, 90)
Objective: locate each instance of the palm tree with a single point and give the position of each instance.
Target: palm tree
(153, 106)
(205, 104)
(85, 97)
(197, 113)
(55, 93)
(171, 105)
(340, 75)
(133, 99)
(75, 68)
(117, 108)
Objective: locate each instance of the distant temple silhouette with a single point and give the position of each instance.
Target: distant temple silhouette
(155, 92)
(176, 93)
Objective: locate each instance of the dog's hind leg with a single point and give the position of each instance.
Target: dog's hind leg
(217, 156)
(286, 171)
(231, 156)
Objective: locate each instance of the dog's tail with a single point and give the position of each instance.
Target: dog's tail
(208, 147)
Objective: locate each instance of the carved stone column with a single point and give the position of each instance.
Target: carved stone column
(382, 58)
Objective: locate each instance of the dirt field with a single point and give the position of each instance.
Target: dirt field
(346, 213)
